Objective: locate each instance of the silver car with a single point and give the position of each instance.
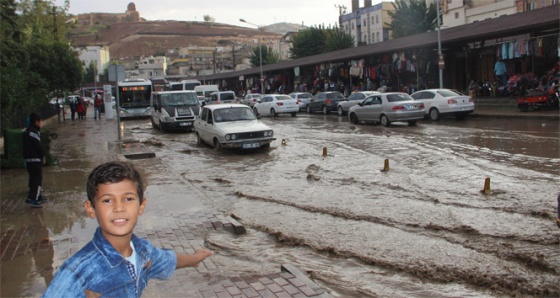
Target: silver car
(352, 100)
(302, 98)
(386, 108)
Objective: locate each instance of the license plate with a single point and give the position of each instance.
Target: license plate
(185, 124)
(250, 145)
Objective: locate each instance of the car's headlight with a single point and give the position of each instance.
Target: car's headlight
(231, 137)
(268, 133)
(168, 119)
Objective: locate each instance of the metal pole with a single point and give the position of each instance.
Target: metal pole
(440, 56)
(260, 53)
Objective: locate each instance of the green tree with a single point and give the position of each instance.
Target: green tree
(412, 17)
(268, 56)
(318, 40)
(36, 63)
(337, 39)
(89, 73)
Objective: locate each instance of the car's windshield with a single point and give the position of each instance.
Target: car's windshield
(179, 99)
(283, 97)
(448, 93)
(233, 114)
(305, 95)
(336, 95)
(398, 97)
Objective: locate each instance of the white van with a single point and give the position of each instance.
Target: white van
(183, 85)
(203, 92)
(222, 97)
(174, 110)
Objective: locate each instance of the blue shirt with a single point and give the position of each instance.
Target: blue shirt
(99, 269)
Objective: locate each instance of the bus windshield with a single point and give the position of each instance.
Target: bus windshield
(135, 96)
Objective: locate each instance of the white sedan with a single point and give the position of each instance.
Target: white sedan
(386, 108)
(231, 126)
(274, 104)
(352, 100)
(444, 102)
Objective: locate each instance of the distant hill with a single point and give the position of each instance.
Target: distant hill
(145, 38)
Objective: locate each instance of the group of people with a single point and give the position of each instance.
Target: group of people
(79, 106)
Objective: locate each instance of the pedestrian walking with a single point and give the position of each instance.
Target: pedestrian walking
(97, 102)
(116, 263)
(34, 158)
(73, 104)
(81, 109)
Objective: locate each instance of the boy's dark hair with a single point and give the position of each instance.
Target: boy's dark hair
(113, 172)
(34, 117)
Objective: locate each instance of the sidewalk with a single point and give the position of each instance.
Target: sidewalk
(175, 220)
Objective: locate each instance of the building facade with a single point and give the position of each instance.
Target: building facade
(367, 24)
(99, 55)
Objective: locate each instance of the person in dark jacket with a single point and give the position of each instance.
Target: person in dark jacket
(34, 157)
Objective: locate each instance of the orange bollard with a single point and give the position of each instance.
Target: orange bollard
(324, 151)
(486, 189)
(386, 166)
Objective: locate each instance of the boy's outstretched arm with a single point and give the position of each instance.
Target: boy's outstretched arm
(186, 260)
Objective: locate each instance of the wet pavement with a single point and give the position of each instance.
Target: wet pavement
(35, 242)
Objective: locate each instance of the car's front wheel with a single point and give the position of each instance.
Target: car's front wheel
(217, 144)
(340, 111)
(308, 108)
(354, 119)
(256, 111)
(412, 123)
(385, 120)
(199, 141)
(325, 110)
(434, 114)
(273, 113)
(293, 114)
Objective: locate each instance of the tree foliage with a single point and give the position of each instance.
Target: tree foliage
(36, 62)
(268, 56)
(208, 18)
(412, 17)
(318, 40)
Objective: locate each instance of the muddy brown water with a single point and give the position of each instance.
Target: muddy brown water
(422, 229)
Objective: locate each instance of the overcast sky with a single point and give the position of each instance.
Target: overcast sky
(262, 13)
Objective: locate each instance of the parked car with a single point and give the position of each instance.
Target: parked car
(352, 100)
(386, 108)
(302, 98)
(444, 102)
(231, 126)
(174, 110)
(324, 102)
(274, 104)
(222, 97)
(252, 99)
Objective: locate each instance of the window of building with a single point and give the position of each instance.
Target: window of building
(352, 25)
(364, 23)
(373, 37)
(378, 40)
(531, 5)
(377, 19)
(456, 15)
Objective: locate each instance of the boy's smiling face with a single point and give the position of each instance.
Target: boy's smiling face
(117, 207)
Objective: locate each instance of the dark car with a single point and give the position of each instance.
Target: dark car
(325, 102)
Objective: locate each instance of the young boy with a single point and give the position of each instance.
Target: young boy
(116, 263)
(34, 157)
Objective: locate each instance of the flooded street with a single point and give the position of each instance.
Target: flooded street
(421, 229)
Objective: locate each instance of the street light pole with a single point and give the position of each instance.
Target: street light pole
(260, 54)
(440, 56)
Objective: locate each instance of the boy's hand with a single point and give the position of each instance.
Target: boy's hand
(186, 260)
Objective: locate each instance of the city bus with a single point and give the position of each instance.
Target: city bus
(134, 98)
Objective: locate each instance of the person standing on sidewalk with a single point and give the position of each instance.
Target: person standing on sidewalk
(34, 158)
(97, 102)
(116, 263)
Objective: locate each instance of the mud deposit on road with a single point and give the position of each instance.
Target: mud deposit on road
(421, 229)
